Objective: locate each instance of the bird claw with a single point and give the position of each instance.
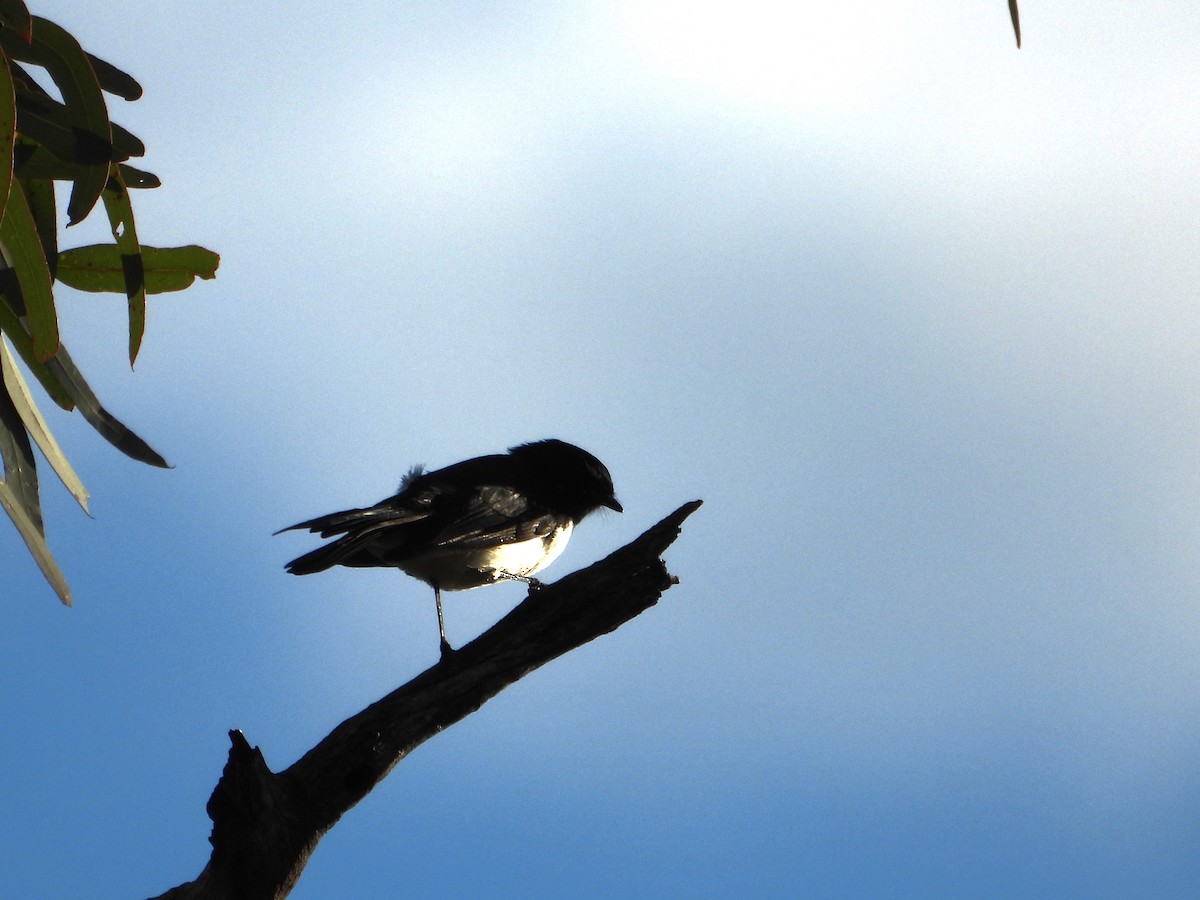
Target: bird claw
(501, 575)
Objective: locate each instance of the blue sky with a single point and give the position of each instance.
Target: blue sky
(913, 312)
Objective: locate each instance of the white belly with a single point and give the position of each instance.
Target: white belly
(461, 570)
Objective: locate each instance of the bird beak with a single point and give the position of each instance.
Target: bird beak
(612, 504)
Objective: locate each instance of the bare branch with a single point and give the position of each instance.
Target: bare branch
(266, 825)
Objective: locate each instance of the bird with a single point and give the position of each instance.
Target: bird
(474, 523)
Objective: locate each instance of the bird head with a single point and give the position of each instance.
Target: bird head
(576, 481)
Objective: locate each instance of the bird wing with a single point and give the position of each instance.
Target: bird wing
(490, 516)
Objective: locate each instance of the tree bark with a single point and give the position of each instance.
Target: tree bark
(266, 824)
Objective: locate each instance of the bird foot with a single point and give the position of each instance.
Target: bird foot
(501, 575)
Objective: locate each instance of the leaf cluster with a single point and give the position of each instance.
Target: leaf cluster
(68, 138)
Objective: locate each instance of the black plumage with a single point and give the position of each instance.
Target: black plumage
(503, 516)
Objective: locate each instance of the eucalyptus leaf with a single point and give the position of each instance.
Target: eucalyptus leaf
(39, 193)
(109, 427)
(12, 325)
(114, 80)
(43, 123)
(26, 282)
(98, 269)
(60, 55)
(35, 425)
(138, 179)
(120, 217)
(32, 160)
(55, 126)
(8, 130)
(15, 15)
(35, 542)
(16, 452)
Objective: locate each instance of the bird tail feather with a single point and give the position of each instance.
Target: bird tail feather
(344, 550)
(352, 519)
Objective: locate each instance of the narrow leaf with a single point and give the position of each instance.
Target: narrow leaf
(97, 416)
(114, 80)
(98, 269)
(39, 193)
(1016, 20)
(138, 178)
(8, 131)
(125, 143)
(15, 15)
(54, 124)
(59, 53)
(46, 123)
(12, 325)
(120, 217)
(32, 160)
(28, 287)
(35, 542)
(20, 468)
(37, 428)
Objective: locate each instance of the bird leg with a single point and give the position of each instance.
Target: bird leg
(445, 647)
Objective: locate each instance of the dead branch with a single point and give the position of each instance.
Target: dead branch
(266, 824)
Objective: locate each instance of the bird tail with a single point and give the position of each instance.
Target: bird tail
(352, 519)
(317, 560)
(348, 549)
(334, 523)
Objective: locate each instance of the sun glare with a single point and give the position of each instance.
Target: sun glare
(762, 51)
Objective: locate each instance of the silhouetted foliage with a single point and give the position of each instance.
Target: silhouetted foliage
(73, 140)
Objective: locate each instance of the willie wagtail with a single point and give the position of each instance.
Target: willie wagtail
(476, 522)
